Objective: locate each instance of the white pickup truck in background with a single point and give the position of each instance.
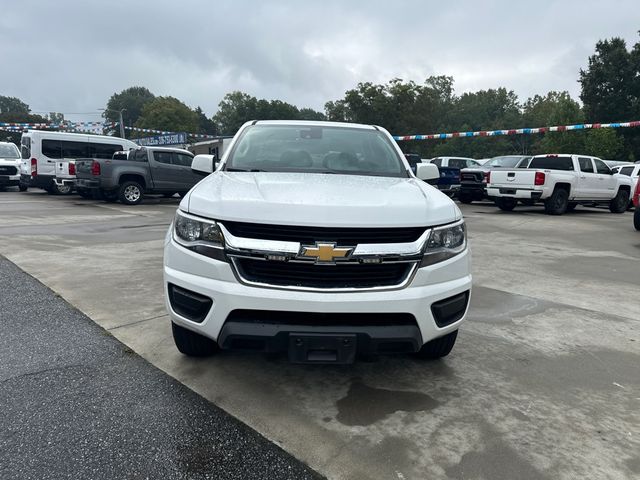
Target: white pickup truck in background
(562, 182)
(633, 172)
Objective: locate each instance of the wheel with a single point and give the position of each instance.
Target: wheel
(619, 203)
(571, 206)
(60, 189)
(192, 344)
(465, 197)
(557, 203)
(168, 195)
(438, 348)
(130, 193)
(506, 203)
(636, 218)
(22, 187)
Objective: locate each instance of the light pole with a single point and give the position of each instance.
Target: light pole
(121, 121)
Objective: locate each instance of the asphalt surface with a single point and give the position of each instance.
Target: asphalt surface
(543, 383)
(76, 403)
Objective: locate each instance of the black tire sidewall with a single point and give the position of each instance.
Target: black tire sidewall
(553, 206)
(619, 202)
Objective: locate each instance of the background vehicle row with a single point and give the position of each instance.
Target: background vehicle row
(561, 182)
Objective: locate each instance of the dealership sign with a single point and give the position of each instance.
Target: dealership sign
(159, 140)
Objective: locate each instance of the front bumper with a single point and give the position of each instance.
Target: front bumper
(449, 188)
(9, 180)
(215, 281)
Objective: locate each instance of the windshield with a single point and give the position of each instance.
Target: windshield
(507, 161)
(315, 149)
(9, 151)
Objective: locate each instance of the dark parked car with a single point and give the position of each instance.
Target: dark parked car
(473, 181)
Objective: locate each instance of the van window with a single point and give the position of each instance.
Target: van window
(51, 148)
(552, 163)
(437, 162)
(26, 147)
(103, 150)
(74, 149)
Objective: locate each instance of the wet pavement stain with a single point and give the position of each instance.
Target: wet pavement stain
(512, 306)
(364, 405)
(496, 461)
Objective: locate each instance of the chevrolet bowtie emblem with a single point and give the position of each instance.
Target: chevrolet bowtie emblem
(325, 252)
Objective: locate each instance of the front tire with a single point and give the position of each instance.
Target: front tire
(130, 193)
(22, 187)
(557, 203)
(438, 348)
(191, 343)
(506, 203)
(636, 218)
(620, 202)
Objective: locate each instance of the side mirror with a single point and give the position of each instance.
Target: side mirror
(203, 164)
(427, 171)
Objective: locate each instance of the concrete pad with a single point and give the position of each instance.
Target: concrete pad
(543, 382)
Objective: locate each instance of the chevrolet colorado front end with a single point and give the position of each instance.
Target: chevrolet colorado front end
(316, 239)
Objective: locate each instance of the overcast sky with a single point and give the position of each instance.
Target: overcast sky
(71, 56)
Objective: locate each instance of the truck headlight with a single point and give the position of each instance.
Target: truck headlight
(445, 242)
(190, 231)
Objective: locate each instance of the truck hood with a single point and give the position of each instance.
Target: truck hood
(319, 200)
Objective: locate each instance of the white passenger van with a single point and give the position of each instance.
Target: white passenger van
(48, 158)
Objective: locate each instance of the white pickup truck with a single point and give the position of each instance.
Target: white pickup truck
(316, 239)
(561, 182)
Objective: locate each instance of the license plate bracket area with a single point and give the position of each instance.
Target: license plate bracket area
(322, 348)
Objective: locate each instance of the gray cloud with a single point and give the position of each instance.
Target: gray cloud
(70, 56)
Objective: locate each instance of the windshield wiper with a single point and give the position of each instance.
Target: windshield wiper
(243, 170)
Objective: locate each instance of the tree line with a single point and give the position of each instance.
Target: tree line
(610, 92)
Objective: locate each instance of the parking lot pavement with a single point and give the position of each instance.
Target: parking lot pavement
(543, 382)
(77, 403)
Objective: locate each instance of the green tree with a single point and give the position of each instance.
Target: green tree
(236, 108)
(205, 125)
(554, 108)
(132, 100)
(14, 110)
(611, 89)
(604, 143)
(168, 113)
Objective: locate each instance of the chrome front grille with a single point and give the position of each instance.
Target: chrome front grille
(279, 259)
